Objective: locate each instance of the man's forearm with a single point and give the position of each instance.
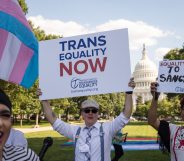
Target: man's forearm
(152, 114)
(128, 105)
(50, 115)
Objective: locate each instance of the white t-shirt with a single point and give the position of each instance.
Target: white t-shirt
(16, 138)
(176, 142)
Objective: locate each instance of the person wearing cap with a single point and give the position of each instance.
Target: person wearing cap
(93, 140)
(10, 152)
(172, 135)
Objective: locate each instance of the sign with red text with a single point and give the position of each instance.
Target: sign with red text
(171, 76)
(84, 65)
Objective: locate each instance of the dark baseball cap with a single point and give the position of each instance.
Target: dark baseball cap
(4, 99)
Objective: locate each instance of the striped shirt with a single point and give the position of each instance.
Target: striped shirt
(12, 153)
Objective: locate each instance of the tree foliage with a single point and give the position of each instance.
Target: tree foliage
(175, 54)
(169, 108)
(23, 6)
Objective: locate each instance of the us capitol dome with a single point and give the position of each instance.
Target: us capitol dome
(145, 72)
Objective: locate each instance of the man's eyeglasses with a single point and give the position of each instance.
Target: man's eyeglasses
(90, 110)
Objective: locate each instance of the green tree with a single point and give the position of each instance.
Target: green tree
(110, 104)
(175, 54)
(65, 107)
(169, 108)
(23, 6)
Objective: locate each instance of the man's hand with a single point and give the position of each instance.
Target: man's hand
(131, 83)
(153, 89)
(128, 100)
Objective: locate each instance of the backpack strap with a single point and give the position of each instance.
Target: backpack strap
(76, 138)
(102, 141)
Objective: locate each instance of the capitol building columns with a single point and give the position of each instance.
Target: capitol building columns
(144, 73)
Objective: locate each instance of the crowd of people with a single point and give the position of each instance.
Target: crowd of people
(93, 140)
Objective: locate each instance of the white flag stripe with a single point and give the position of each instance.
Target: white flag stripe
(9, 56)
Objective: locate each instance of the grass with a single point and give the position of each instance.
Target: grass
(140, 131)
(30, 124)
(58, 153)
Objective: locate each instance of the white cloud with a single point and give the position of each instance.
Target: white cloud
(58, 27)
(160, 52)
(139, 32)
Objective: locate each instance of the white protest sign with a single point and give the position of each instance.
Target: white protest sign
(82, 65)
(171, 76)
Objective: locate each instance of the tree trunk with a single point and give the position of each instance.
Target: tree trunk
(20, 120)
(67, 114)
(37, 119)
(59, 116)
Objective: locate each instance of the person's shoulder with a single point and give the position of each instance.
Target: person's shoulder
(173, 127)
(16, 132)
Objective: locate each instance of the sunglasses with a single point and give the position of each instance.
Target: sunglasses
(90, 110)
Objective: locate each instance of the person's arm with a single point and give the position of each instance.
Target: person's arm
(152, 112)
(164, 133)
(58, 125)
(49, 114)
(127, 111)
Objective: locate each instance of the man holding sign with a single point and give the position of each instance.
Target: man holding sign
(93, 140)
(171, 134)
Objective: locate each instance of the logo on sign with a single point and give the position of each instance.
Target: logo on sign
(83, 83)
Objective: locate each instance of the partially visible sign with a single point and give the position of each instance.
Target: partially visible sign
(84, 65)
(171, 76)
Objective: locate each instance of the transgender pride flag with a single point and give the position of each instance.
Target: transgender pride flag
(18, 46)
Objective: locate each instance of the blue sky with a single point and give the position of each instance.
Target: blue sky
(158, 24)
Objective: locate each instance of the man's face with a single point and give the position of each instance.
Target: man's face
(90, 115)
(5, 124)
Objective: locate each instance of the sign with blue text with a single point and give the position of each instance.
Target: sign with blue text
(90, 64)
(171, 76)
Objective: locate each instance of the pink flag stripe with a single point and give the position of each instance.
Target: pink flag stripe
(3, 39)
(9, 56)
(21, 64)
(11, 8)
